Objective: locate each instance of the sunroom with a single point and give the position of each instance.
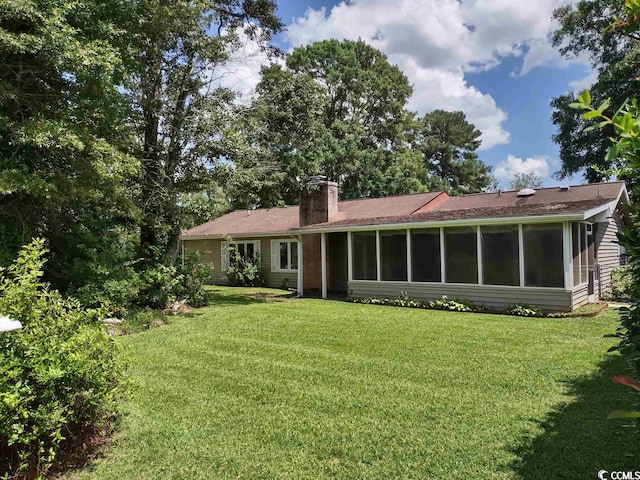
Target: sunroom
(549, 264)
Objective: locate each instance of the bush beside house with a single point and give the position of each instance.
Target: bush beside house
(59, 377)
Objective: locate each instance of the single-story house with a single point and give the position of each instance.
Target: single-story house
(553, 247)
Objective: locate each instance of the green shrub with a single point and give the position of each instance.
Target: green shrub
(59, 379)
(523, 310)
(193, 276)
(118, 294)
(621, 284)
(158, 286)
(155, 287)
(628, 331)
(243, 272)
(403, 300)
(454, 305)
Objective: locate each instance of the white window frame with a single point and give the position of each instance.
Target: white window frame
(275, 254)
(566, 242)
(583, 241)
(224, 250)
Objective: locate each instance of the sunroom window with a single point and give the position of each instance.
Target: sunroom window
(365, 264)
(543, 256)
(425, 255)
(461, 254)
(500, 255)
(580, 257)
(393, 255)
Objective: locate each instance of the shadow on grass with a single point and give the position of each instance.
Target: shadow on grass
(577, 439)
(229, 296)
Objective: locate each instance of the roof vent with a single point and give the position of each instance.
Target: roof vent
(526, 192)
(564, 188)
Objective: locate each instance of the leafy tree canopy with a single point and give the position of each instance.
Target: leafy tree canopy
(336, 108)
(448, 144)
(616, 57)
(182, 116)
(65, 173)
(525, 180)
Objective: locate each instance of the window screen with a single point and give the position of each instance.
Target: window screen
(393, 255)
(584, 257)
(500, 255)
(294, 255)
(543, 260)
(425, 255)
(576, 241)
(284, 255)
(364, 256)
(461, 255)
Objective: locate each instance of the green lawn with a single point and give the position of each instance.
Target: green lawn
(308, 388)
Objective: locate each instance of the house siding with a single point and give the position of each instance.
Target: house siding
(491, 296)
(211, 251)
(607, 250)
(579, 296)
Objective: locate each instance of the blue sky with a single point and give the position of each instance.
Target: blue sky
(491, 59)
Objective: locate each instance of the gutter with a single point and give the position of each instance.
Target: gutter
(446, 223)
(565, 217)
(282, 233)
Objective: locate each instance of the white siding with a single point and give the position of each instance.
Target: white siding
(552, 299)
(607, 250)
(580, 296)
(211, 251)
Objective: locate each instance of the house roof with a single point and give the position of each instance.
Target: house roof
(417, 208)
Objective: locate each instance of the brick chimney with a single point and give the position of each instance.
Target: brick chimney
(319, 202)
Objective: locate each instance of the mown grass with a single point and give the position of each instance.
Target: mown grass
(249, 388)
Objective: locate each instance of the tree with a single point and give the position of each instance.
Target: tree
(182, 115)
(616, 57)
(65, 173)
(525, 180)
(337, 108)
(625, 148)
(448, 145)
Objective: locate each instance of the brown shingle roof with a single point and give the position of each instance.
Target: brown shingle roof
(242, 222)
(422, 207)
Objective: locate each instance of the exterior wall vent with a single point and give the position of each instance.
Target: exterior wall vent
(526, 192)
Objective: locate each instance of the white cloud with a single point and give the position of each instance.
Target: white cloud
(242, 72)
(506, 169)
(447, 90)
(435, 42)
(585, 82)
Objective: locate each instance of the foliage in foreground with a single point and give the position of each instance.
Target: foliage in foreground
(59, 378)
(626, 124)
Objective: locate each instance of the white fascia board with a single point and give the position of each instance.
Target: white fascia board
(449, 223)
(624, 194)
(601, 210)
(286, 234)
